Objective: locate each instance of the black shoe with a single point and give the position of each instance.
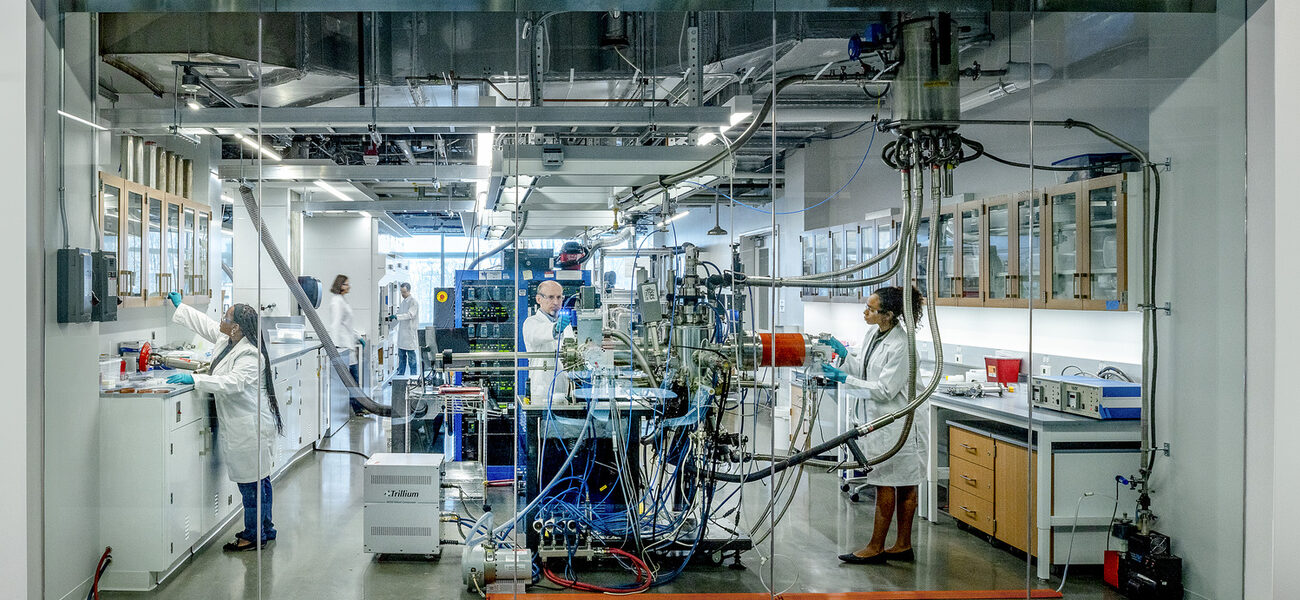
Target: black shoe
(853, 559)
(239, 545)
(907, 555)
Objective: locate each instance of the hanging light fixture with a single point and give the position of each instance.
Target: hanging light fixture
(717, 227)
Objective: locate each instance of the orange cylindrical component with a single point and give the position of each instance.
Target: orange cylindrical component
(790, 349)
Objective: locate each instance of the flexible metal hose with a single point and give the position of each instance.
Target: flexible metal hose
(636, 354)
(670, 180)
(273, 252)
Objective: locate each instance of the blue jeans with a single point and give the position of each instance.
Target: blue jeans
(406, 357)
(356, 376)
(248, 491)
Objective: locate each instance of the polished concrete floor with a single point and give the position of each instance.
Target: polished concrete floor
(319, 551)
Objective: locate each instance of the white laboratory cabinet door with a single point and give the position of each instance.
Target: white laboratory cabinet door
(184, 502)
(309, 401)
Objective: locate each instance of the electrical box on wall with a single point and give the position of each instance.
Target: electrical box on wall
(103, 301)
(73, 291)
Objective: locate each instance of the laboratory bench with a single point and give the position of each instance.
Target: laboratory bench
(987, 451)
(164, 490)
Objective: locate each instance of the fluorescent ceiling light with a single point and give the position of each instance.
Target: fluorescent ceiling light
(251, 143)
(331, 189)
(677, 216)
(227, 199)
(992, 93)
(83, 121)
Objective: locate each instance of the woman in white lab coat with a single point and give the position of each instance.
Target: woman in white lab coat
(247, 425)
(338, 322)
(876, 378)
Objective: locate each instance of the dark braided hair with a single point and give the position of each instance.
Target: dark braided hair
(245, 317)
(891, 299)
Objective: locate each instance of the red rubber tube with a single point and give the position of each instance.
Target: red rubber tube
(790, 349)
(644, 577)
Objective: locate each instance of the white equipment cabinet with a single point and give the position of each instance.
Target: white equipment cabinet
(163, 486)
(403, 504)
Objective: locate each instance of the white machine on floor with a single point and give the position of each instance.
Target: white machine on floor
(403, 504)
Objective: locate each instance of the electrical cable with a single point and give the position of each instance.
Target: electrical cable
(365, 456)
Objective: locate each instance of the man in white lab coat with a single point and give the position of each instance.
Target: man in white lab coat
(408, 318)
(542, 333)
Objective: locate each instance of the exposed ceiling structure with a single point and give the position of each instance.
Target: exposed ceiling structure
(461, 121)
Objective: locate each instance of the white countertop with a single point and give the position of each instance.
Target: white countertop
(1014, 407)
(283, 352)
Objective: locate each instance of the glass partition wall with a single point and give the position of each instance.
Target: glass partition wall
(561, 430)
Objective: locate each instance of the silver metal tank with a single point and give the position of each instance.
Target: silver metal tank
(926, 88)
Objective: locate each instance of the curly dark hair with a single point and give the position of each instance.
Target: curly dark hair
(891, 300)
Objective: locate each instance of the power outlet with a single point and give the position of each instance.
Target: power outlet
(1045, 368)
(780, 305)
(956, 356)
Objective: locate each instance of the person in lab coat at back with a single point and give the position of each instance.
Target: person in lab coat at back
(248, 425)
(338, 322)
(876, 379)
(542, 333)
(408, 318)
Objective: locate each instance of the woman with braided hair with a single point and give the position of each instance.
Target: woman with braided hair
(248, 427)
(875, 379)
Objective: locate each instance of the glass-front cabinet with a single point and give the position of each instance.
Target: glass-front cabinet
(1086, 259)
(1028, 248)
(187, 252)
(999, 225)
(159, 280)
(161, 241)
(971, 241)
(947, 267)
(201, 243)
(921, 277)
(173, 238)
(132, 253)
(1104, 281)
(1065, 234)
(850, 254)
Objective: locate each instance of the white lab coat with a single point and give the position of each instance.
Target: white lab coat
(539, 336)
(235, 384)
(408, 318)
(338, 322)
(880, 389)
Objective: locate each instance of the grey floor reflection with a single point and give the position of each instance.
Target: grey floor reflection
(318, 554)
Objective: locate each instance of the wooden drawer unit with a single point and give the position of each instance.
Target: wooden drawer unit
(973, 447)
(970, 477)
(971, 509)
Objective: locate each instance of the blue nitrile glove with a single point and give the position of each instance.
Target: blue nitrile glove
(564, 319)
(175, 297)
(184, 378)
(361, 341)
(838, 347)
(390, 318)
(833, 373)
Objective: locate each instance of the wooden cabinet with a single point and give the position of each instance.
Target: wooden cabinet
(1085, 262)
(1014, 514)
(989, 485)
(162, 241)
